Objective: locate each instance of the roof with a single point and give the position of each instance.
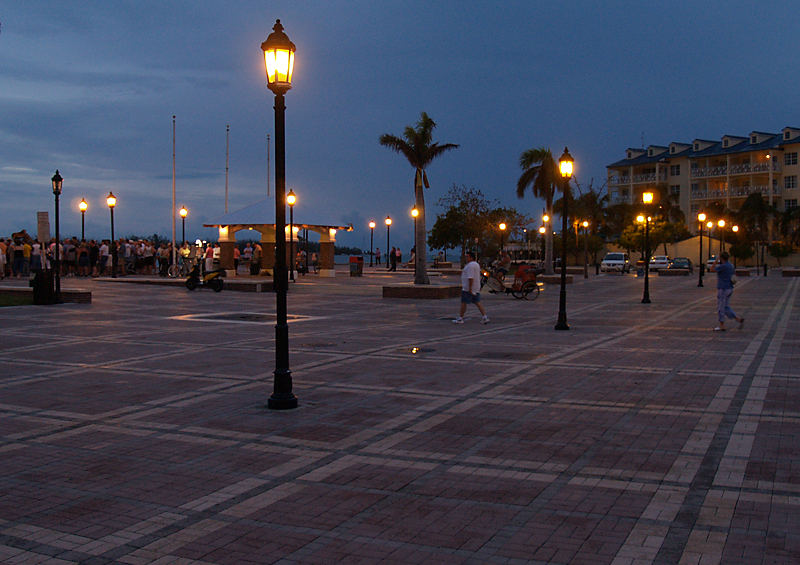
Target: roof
(262, 213)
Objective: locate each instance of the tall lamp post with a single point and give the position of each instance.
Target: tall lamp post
(565, 164)
(585, 225)
(291, 200)
(735, 230)
(279, 62)
(721, 225)
(542, 232)
(57, 184)
(83, 206)
(183, 213)
(388, 222)
(709, 225)
(701, 217)
(502, 226)
(111, 200)
(647, 199)
(371, 234)
(415, 214)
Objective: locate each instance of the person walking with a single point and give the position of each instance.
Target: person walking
(393, 259)
(377, 256)
(470, 289)
(725, 272)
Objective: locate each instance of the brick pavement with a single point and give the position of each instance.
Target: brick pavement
(134, 429)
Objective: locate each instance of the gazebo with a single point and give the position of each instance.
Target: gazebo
(260, 216)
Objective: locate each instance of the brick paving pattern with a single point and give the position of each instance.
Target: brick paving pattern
(134, 429)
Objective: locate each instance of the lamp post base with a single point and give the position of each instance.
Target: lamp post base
(282, 401)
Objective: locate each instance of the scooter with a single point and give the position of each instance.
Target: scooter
(212, 279)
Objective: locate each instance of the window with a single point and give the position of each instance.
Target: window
(786, 135)
(790, 204)
(695, 187)
(696, 146)
(675, 190)
(753, 139)
(790, 158)
(790, 181)
(674, 170)
(725, 143)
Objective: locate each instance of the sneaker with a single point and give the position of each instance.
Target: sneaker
(719, 329)
(458, 320)
(485, 320)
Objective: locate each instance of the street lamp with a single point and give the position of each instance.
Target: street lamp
(735, 229)
(701, 218)
(57, 184)
(183, 212)
(542, 231)
(371, 234)
(291, 200)
(721, 225)
(502, 227)
(585, 225)
(279, 62)
(388, 222)
(565, 166)
(647, 199)
(414, 214)
(709, 225)
(83, 206)
(111, 200)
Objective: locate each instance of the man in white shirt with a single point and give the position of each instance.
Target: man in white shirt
(470, 289)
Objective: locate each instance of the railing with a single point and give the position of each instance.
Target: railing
(742, 169)
(619, 180)
(735, 192)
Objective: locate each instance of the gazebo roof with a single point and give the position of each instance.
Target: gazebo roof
(262, 213)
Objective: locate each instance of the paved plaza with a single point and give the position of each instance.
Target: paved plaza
(134, 428)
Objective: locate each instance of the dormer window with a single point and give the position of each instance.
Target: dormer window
(725, 143)
(786, 135)
(672, 149)
(697, 147)
(649, 152)
(753, 139)
(630, 154)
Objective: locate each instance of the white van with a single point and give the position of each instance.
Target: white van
(616, 262)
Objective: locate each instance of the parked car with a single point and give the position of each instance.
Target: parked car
(659, 262)
(681, 263)
(710, 262)
(616, 262)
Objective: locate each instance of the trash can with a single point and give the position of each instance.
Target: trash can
(356, 266)
(43, 289)
(639, 268)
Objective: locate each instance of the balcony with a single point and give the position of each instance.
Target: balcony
(741, 169)
(735, 192)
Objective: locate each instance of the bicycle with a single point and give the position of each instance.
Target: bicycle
(523, 287)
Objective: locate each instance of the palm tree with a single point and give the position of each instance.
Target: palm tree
(540, 172)
(417, 147)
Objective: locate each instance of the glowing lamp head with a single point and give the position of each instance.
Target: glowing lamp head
(57, 183)
(545, 218)
(388, 221)
(183, 212)
(585, 224)
(83, 205)
(542, 230)
(372, 225)
(111, 200)
(278, 59)
(502, 226)
(710, 225)
(640, 219)
(721, 223)
(291, 198)
(565, 164)
(701, 217)
(735, 229)
(647, 197)
(414, 212)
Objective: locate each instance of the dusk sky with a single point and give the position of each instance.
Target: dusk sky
(90, 88)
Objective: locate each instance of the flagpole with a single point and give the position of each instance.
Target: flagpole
(174, 251)
(227, 153)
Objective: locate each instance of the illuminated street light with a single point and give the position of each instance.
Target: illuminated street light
(111, 200)
(565, 167)
(183, 213)
(83, 206)
(279, 63)
(371, 233)
(388, 222)
(647, 199)
(701, 217)
(502, 226)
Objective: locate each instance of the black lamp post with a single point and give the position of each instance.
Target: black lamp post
(183, 212)
(700, 266)
(291, 200)
(388, 222)
(565, 164)
(585, 249)
(279, 62)
(111, 200)
(721, 224)
(502, 226)
(647, 199)
(371, 233)
(57, 184)
(83, 206)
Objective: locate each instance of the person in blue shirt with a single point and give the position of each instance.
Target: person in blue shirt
(725, 272)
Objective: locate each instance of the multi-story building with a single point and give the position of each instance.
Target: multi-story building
(705, 171)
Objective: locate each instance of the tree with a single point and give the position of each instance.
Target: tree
(416, 145)
(780, 251)
(540, 173)
(465, 215)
